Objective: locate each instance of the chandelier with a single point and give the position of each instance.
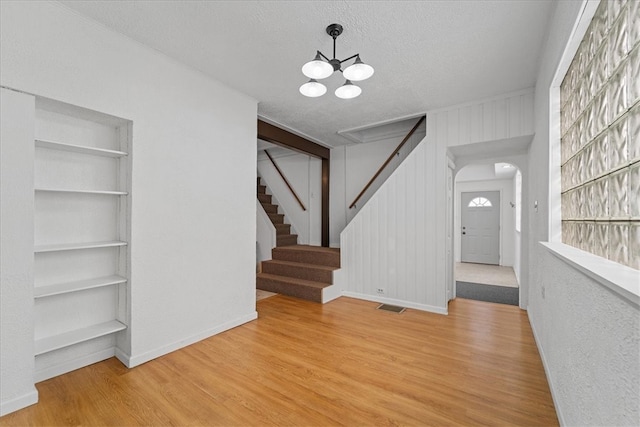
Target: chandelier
(322, 67)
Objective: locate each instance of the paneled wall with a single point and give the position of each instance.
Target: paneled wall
(353, 166)
(502, 117)
(388, 249)
(395, 249)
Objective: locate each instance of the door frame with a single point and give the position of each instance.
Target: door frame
(500, 220)
(461, 157)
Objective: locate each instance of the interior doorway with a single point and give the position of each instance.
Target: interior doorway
(487, 235)
(480, 227)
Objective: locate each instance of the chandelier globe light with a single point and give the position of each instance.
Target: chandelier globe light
(348, 90)
(322, 67)
(317, 69)
(358, 71)
(313, 89)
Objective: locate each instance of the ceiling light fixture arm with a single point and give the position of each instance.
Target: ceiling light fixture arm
(322, 54)
(351, 57)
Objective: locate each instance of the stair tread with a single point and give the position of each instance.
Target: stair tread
(302, 264)
(283, 228)
(269, 208)
(312, 248)
(293, 280)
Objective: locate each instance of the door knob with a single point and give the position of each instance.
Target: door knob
(464, 232)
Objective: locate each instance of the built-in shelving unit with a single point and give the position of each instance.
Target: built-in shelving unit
(77, 246)
(79, 149)
(79, 285)
(67, 190)
(81, 190)
(56, 342)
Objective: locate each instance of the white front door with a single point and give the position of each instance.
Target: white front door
(480, 227)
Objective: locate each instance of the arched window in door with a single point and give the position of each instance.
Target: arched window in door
(480, 202)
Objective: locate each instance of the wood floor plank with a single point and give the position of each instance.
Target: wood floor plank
(302, 363)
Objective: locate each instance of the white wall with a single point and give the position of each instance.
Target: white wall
(352, 167)
(589, 338)
(16, 252)
(193, 180)
(304, 174)
(507, 215)
(587, 335)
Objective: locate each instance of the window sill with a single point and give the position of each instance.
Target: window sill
(623, 280)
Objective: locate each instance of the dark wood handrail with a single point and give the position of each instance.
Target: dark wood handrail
(285, 180)
(384, 165)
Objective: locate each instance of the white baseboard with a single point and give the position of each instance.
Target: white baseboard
(17, 403)
(135, 360)
(401, 303)
(547, 373)
(123, 357)
(72, 365)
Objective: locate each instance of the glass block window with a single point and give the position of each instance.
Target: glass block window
(480, 202)
(600, 137)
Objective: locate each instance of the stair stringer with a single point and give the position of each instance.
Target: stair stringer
(335, 290)
(281, 209)
(265, 235)
(389, 250)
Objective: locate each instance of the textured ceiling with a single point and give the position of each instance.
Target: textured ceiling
(426, 54)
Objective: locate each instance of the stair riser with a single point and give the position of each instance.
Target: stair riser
(286, 240)
(262, 189)
(308, 257)
(302, 272)
(298, 291)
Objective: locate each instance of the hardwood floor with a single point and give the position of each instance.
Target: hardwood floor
(302, 363)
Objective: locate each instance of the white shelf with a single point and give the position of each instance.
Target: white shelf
(81, 285)
(56, 342)
(65, 190)
(79, 149)
(75, 246)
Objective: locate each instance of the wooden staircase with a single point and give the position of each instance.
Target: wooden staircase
(283, 231)
(299, 271)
